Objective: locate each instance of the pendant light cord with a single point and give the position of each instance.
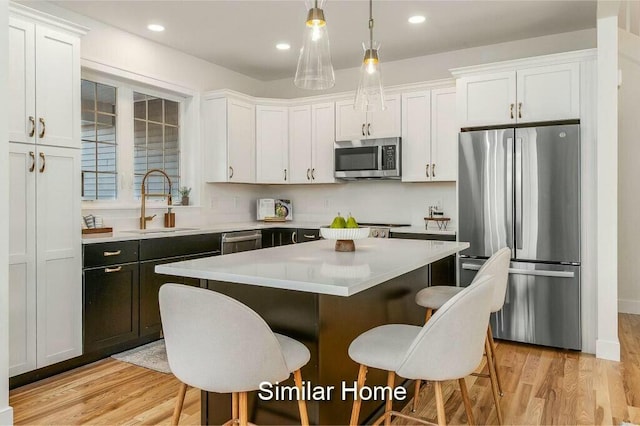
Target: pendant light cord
(370, 24)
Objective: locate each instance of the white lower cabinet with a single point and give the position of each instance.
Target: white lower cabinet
(311, 139)
(429, 136)
(45, 261)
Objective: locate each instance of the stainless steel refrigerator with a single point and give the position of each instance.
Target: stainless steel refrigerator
(520, 188)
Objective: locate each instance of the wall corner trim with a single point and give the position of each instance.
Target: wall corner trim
(6, 416)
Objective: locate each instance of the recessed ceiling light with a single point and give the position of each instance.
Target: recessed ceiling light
(417, 19)
(155, 27)
(283, 46)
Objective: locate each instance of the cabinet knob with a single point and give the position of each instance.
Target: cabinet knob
(44, 162)
(32, 121)
(33, 161)
(43, 127)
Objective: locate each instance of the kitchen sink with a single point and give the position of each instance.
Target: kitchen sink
(159, 230)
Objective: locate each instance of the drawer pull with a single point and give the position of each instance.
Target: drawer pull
(309, 236)
(118, 269)
(112, 253)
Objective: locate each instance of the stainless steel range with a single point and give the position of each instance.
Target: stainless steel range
(380, 230)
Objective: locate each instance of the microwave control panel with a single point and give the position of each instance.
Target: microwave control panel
(388, 157)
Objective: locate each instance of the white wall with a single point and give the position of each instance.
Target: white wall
(6, 414)
(628, 174)
(116, 48)
(433, 67)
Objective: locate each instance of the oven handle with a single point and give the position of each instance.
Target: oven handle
(251, 237)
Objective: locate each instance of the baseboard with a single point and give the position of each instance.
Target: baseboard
(6, 416)
(608, 349)
(628, 306)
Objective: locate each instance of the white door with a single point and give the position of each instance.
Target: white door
(241, 141)
(21, 81)
(272, 144)
(22, 259)
(487, 99)
(444, 135)
(416, 136)
(57, 88)
(322, 139)
(386, 123)
(350, 123)
(58, 254)
(300, 144)
(549, 93)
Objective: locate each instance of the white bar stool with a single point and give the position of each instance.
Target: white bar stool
(448, 347)
(433, 298)
(218, 344)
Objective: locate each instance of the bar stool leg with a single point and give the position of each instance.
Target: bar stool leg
(467, 401)
(388, 406)
(492, 376)
(416, 393)
(234, 406)
(495, 359)
(357, 402)
(244, 412)
(302, 404)
(429, 313)
(179, 402)
(442, 419)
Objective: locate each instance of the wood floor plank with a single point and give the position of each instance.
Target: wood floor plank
(542, 386)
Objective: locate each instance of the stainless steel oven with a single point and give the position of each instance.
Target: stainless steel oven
(368, 159)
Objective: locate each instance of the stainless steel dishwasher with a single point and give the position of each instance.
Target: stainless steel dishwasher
(234, 242)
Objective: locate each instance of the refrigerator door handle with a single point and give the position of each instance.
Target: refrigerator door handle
(518, 184)
(509, 195)
(533, 272)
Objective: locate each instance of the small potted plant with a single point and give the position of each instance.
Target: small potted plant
(184, 193)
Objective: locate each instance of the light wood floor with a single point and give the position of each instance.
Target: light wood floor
(542, 386)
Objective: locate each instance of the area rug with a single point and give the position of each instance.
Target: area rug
(152, 356)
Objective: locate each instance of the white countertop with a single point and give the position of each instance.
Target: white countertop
(316, 267)
(240, 226)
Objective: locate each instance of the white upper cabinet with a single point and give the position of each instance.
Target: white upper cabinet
(311, 133)
(429, 136)
(527, 95)
(322, 142)
(444, 135)
(548, 93)
(272, 144)
(44, 75)
(352, 124)
(228, 126)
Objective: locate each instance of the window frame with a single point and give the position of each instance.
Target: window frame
(188, 130)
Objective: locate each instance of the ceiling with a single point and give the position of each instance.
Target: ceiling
(241, 35)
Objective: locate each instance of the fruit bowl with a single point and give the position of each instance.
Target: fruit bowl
(344, 233)
(344, 236)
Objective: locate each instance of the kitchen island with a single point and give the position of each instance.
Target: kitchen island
(324, 299)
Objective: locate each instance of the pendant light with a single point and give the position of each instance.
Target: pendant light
(370, 94)
(315, 70)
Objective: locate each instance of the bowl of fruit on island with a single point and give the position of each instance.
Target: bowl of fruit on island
(344, 232)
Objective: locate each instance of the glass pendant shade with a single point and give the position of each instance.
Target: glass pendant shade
(370, 93)
(315, 70)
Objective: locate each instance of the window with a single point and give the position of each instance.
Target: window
(156, 143)
(99, 173)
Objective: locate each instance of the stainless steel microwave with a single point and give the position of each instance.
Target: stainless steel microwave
(368, 159)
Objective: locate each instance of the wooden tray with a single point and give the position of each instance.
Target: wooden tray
(274, 219)
(97, 231)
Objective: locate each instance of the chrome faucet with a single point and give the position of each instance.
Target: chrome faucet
(143, 196)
